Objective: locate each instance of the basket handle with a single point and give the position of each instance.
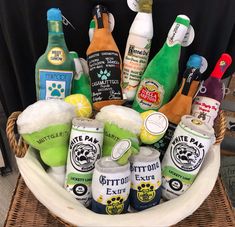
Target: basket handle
(19, 147)
(220, 126)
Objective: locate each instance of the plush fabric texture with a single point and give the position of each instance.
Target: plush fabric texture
(124, 117)
(113, 134)
(52, 142)
(44, 113)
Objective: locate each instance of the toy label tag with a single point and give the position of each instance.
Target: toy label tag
(204, 65)
(133, 5)
(156, 123)
(189, 36)
(120, 148)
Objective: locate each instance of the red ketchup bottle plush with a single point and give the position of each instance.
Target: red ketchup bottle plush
(206, 104)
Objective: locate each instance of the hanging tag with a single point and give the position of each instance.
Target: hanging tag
(133, 5)
(189, 36)
(204, 65)
(66, 22)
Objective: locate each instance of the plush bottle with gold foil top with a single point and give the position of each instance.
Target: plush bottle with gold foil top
(104, 63)
(137, 49)
(55, 68)
(160, 78)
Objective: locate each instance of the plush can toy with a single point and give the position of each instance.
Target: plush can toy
(185, 155)
(145, 179)
(85, 148)
(110, 187)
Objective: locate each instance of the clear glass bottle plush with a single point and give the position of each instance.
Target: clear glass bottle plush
(160, 77)
(104, 63)
(55, 68)
(137, 49)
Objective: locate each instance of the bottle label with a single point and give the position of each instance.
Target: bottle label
(150, 94)
(80, 186)
(176, 34)
(105, 74)
(206, 109)
(56, 56)
(134, 63)
(54, 84)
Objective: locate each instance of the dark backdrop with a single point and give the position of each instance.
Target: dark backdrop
(23, 36)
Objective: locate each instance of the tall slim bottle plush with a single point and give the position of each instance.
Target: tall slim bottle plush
(160, 77)
(104, 63)
(207, 103)
(55, 68)
(137, 49)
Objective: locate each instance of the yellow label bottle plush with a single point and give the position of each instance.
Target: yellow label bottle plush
(55, 68)
(104, 63)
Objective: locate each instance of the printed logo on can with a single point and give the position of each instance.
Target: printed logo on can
(56, 56)
(150, 94)
(115, 205)
(145, 192)
(187, 153)
(84, 151)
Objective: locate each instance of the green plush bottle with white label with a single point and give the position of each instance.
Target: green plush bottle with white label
(55, 68)
(160, 77)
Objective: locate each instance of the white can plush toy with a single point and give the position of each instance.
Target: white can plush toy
(45, 126)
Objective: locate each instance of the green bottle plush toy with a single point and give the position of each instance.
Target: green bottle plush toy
(55, 68)
(160, 77)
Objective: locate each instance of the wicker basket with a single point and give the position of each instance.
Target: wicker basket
(73, 213)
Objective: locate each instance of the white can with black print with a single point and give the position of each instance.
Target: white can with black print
(185, 155)
(85, 148)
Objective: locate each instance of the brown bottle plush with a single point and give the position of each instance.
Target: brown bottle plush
(181, 104)
(104, 63)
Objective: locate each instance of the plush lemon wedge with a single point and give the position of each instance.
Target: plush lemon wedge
(82, 105)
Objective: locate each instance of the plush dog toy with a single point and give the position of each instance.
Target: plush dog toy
(45, 126)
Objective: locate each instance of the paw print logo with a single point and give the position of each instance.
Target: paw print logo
(103, 75)
(56, 90)
(115, 205)
(145, 192)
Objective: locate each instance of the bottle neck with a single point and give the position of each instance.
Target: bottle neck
(102, 21)
(55, 34)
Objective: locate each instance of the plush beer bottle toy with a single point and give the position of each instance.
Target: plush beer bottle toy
(104, 63)
(181, 104)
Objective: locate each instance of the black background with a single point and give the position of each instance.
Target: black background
(23, 36)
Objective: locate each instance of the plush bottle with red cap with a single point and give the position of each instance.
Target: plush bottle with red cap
(206, 104)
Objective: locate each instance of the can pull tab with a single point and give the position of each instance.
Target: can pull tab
(66, 22)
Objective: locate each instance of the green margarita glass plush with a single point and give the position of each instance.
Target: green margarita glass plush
(45, 126)
(121, 123)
